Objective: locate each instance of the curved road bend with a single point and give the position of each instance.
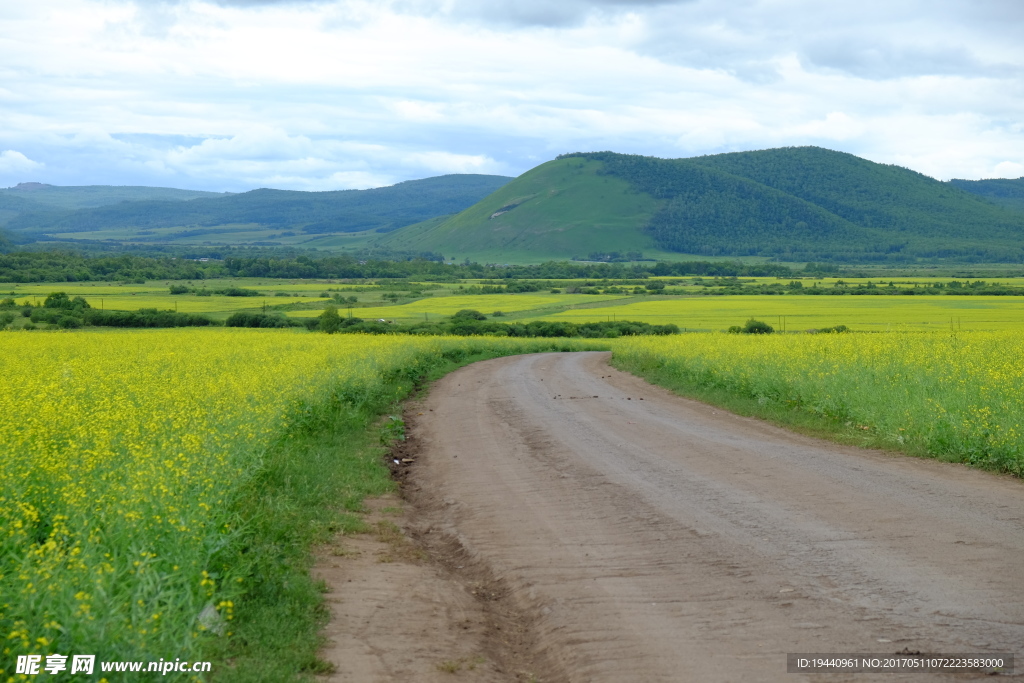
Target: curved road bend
(656, 538)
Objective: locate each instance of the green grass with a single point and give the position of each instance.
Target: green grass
(559, 210)
(956, 397)
(312, 487)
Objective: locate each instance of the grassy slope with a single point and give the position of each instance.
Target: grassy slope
(563, 208)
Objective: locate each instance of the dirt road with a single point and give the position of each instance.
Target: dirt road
(646, 537)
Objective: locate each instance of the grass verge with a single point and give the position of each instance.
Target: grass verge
(791, 415)
(311, 487)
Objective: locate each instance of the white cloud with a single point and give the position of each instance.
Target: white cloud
(346, 93)
(14, 164)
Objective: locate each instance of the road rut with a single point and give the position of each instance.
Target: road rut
(655, 538)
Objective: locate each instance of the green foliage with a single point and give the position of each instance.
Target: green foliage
(468, 314)
(757, 327)
(1003, 191)
(808, 203)
(64, 266)
(236, 291)
(62, 301)
(242, 319)
(145, 317)
(752, 327)
(330, 321)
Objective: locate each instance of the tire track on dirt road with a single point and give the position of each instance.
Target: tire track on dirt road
(654, 538)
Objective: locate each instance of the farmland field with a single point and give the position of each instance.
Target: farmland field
(797, 313)
(126, 455)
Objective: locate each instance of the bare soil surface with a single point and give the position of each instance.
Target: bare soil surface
(584, 525)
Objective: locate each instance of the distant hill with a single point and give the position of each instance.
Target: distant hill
(800, 204)
(560, 209)
(999, 190)
(43, 196)
(311, 213)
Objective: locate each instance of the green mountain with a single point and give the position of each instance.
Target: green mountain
(560, 209)
(1001, 191)
(801, 204)
(41, 196)
(311, 213)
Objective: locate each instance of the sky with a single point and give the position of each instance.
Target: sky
(231, 95)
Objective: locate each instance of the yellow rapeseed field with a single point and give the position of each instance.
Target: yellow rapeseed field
(122, 452)
(959, 396)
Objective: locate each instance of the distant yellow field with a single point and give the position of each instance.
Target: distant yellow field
(793, 313)
(434, 308)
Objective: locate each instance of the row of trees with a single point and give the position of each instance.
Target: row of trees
(70, 266)
(469, 322)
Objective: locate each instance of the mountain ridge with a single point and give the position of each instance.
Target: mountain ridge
(795, 203)
(311, 212)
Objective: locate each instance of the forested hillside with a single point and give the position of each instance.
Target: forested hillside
(1003, 191)
(381, 209)
(808, 203)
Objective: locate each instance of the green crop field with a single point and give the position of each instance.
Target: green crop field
(794, 313)
(156, 294)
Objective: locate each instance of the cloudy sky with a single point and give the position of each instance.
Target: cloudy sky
(337, 94)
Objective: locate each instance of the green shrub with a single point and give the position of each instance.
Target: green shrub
(468, 314)
(757, 327)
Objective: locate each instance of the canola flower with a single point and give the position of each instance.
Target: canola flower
(956, 396)
(120, 455)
